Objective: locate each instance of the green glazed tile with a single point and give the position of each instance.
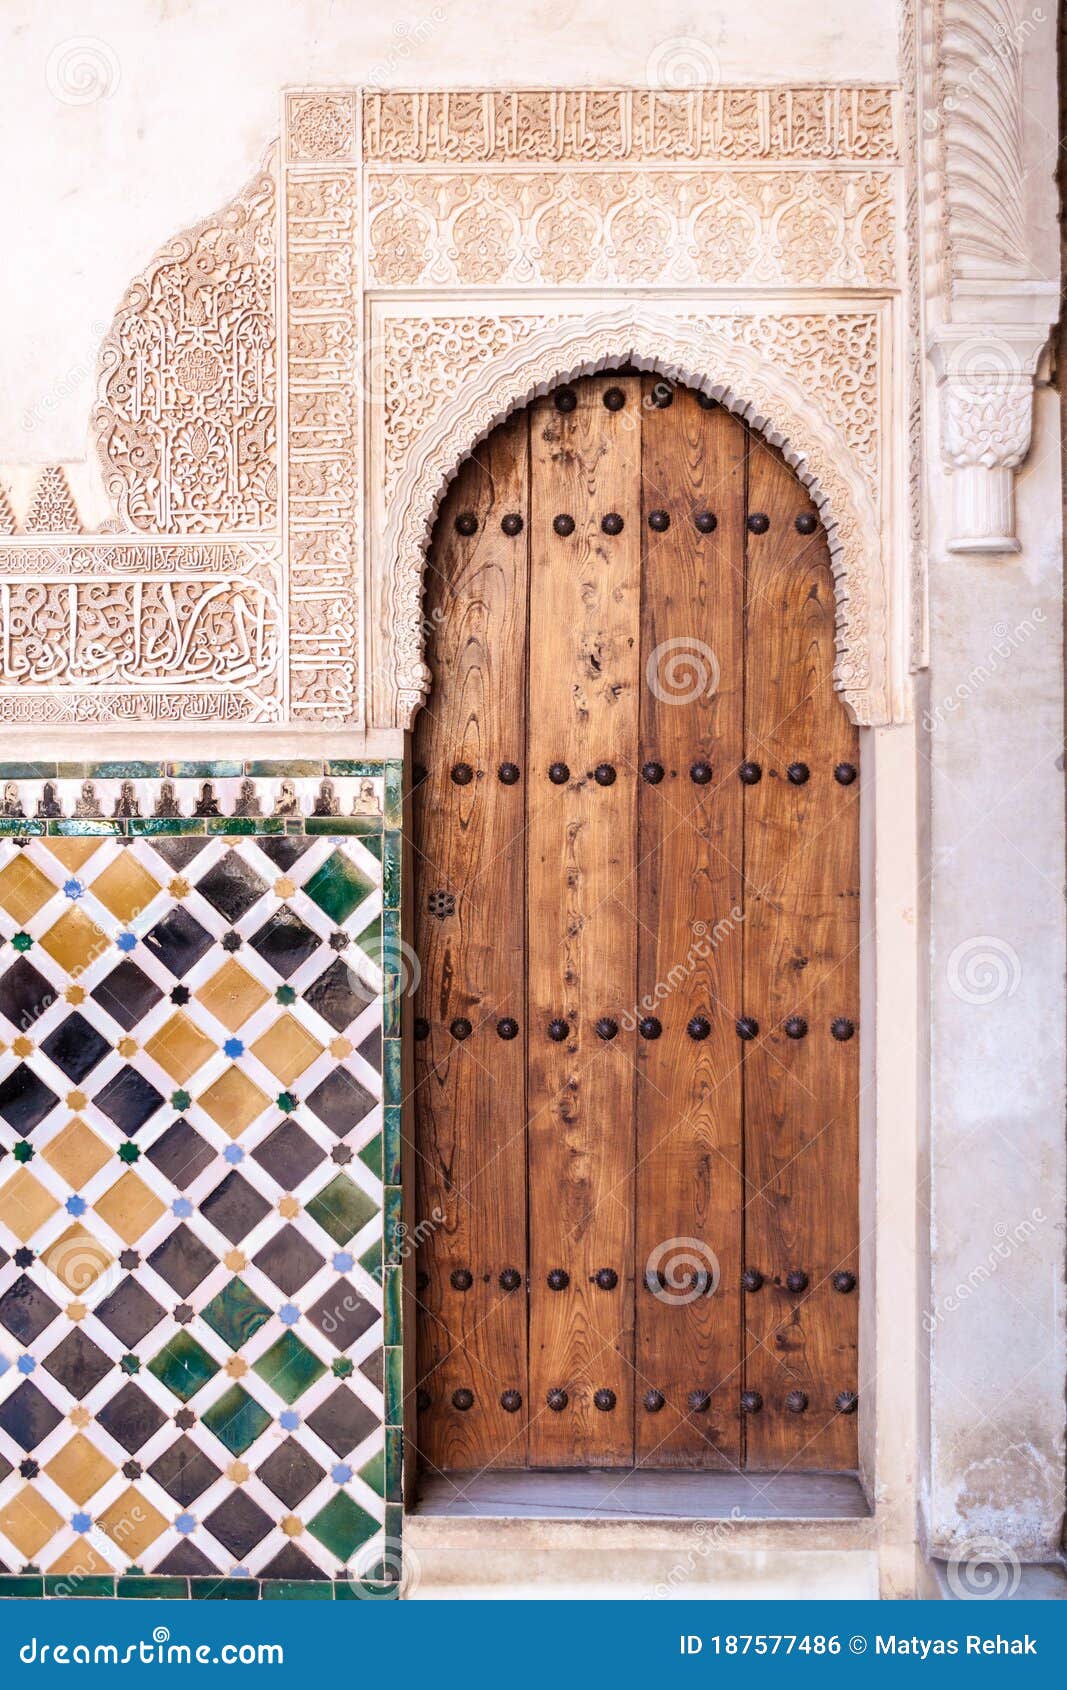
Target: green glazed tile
(392, 1005)
(392, 1224)
(69, 1584)
(392, 1290)
(21, 1584)
(237, 1419)
(392, 1078)
(371, 1154)
(84, 827)
(159, 826)
(28, 771)
(394, 1463)
(369, 940)
(224, 1590)
(236, 1313)
(124, 771)
(161, 1589)
(355, 766)
(391, 1140)
(375, 844)
(394, 1386)
(289, 1367)
(295, 767)
(362, 826)
(245, 825)
(342, 1526)
(183, 1365)
(373, 1474)
(394, 1521)
(371, 1260)
(338, 887)
(297, 1590)
(341, 1208)
(391, 871)
(364, 1590)
(21, 827)
(394, 803)
(225, 769)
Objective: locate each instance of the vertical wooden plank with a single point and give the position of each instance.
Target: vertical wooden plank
(583, 699)
(687, 907)
(470, 1092)
(801, 959)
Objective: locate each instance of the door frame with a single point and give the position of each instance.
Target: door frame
(892, 1250)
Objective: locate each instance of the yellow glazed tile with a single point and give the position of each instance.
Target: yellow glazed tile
(24, 889)
(80, 1561)
(125, 887)
(73, 853)
(76, 1153)
(74, 941)
(287, 1048)
(129, 1207)
(25, 1204)
(29, 1521)
(79, 1468)
(180, 1047)
(77, 1259)
(233, 1101)
(132, 1523)
(232, 995)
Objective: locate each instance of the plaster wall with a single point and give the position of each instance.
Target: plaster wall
(192, 99)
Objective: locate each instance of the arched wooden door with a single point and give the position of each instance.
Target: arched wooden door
(636, 889)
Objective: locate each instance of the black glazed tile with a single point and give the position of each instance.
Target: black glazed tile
(288, 1260)
(234, 1207)
(180, 1154)
(373, 1368)
(130, 1417)
(340, 1101)
(289, 1154)
(178, 941)
(179, 853)
(184, 1471)
(186, 1560)
(290, 1472)
(77, 1363)
(239, 1523)
(284, 941)
(28, 1416)
(232, 886)
(284, 851)
(127, 994)
(129, 1100)
(25, 994)
(25, 1100)
(338, 995)
(342, 1421)
(75, 1047)
(371, 1049)
(291, 1563)
(342, 1315)
(129, 1312)
(26, 1310)
(182, 1260)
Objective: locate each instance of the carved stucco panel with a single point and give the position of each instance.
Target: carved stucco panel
(428, 424)
(654, 228)
(187, 423)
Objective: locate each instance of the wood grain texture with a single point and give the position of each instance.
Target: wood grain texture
(687, 907)
(584, 656)
(470, 1094)
(801, 938)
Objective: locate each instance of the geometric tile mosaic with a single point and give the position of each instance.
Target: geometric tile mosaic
(199, 1326)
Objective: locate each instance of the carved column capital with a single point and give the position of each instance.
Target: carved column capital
(985, 382)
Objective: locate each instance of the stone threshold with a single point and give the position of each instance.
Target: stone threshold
(633, 1495)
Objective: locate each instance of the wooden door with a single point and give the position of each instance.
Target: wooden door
(635, 830)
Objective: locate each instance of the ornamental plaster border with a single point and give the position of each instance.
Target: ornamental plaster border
(682, 346)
